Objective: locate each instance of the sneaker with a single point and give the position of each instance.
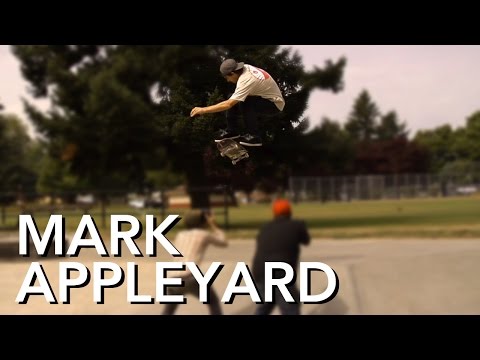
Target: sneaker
(250, 140)
(225, 134)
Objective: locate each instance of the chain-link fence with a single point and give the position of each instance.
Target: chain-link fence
(375, 187)
(100, 204)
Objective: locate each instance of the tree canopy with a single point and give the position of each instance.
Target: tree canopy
(119, 112)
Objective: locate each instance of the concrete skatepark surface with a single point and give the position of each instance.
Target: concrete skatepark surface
(376, 277)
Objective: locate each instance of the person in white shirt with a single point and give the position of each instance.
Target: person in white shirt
(200, 231)
(256, 94)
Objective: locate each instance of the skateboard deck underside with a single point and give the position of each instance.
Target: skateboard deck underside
(233, 150)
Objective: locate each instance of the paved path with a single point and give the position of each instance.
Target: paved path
(375, 276)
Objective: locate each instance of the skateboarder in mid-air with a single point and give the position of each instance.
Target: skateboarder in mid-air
(256, 94)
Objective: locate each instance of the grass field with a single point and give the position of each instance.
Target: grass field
(432, 218)
(406, 218)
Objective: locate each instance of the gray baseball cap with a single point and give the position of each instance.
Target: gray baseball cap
(229, 66)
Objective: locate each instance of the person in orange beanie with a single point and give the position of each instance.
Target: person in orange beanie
(281, 207)
(279, 240)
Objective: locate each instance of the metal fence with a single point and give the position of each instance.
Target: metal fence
(100, 204)
(376, 187)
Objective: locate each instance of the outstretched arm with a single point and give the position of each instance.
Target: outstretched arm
(221, 106)
(217, 236)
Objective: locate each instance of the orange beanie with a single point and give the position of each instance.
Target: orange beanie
(281, 207)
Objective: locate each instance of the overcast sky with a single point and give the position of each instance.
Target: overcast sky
(427, 85)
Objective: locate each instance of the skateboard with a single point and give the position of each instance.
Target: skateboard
(233, 150)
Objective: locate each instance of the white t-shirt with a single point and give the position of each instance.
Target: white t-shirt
(257, 82)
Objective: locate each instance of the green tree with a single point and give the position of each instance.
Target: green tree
(16, 146)
(390, 156)
(362, 121)
(467, 140)
(390, 127)
(464, 171)
(100, 122)
(438, 142)
(124, 110)
(326, 150)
